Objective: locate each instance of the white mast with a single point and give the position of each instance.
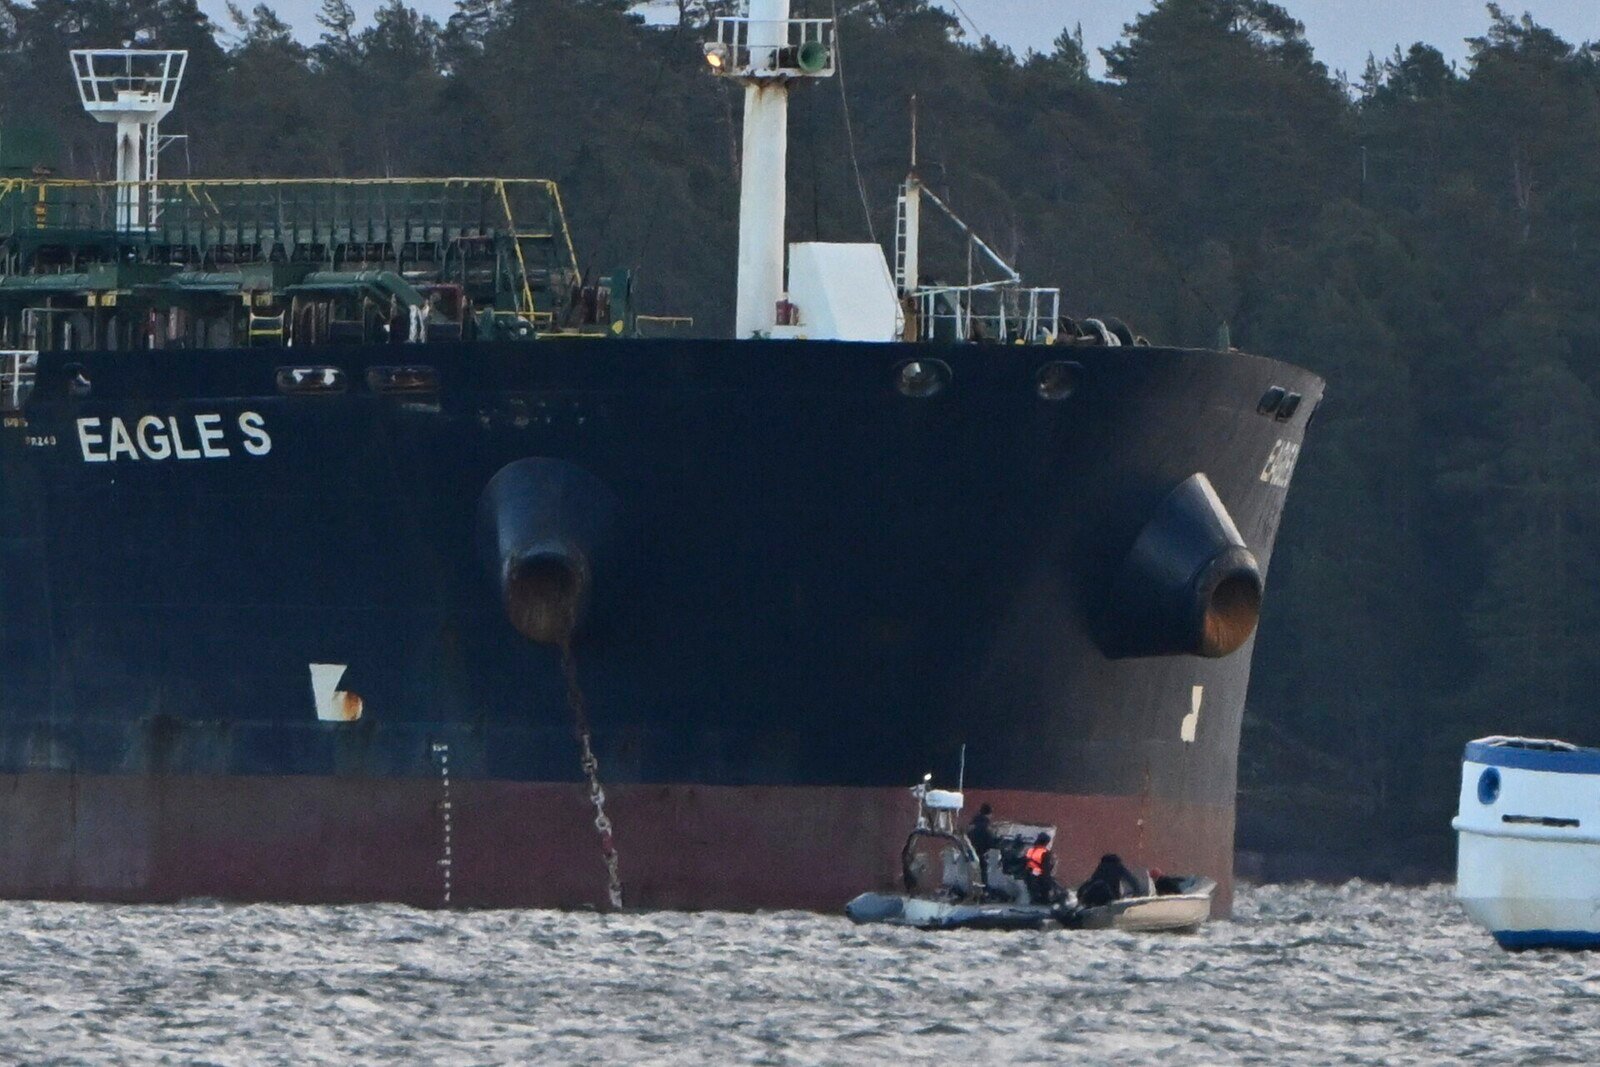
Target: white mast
(135, 89)
(909, 221)
(766, 50)
(763, 177)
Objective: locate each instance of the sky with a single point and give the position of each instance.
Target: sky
(1342, 32)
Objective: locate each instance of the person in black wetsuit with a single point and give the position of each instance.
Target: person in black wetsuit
(1162, 884)
(982, 838)
(1110, 881)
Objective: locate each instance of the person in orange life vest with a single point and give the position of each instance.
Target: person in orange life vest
(1040, 871)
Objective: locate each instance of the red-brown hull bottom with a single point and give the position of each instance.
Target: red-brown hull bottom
(339, 840)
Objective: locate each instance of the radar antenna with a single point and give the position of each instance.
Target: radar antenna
(134, 88)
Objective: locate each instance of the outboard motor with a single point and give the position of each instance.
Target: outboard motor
(542, 525)
(1189, 586)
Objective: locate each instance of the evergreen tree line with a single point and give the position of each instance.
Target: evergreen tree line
(1425, 237)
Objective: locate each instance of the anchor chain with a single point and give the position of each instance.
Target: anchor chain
(591, 771)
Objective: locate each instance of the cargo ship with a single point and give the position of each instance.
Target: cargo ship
(355, 546)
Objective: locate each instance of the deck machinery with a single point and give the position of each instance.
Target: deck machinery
(245, 262)
(143, 263)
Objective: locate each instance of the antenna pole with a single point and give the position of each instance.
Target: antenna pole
(908, 221)
(961, 775)
(913, 133)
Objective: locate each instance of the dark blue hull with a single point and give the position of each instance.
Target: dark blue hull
(796, 576)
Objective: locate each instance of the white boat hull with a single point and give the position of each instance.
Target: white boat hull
(1528, 845)
(1168, 914)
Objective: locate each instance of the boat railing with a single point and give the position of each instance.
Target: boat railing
(1543, 744)
(17, 370)
(992, 311)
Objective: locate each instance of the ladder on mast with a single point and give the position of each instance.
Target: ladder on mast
(900, 241)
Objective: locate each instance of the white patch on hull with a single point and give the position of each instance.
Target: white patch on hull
(1191, 721)
(332, 703)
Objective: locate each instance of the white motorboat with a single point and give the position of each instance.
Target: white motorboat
(1528, 841)
(1181, 910)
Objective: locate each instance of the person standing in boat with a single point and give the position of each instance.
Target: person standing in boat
(981, 835)
(1040, 871)
(1110, 881)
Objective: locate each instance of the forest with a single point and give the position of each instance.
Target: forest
(1424, 235)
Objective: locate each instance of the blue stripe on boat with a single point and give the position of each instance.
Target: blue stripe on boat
(1577, 761)
(1548, 938)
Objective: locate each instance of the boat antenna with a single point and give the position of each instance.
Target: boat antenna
(961, 773)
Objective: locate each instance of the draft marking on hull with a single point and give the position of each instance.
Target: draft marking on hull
(441, 752)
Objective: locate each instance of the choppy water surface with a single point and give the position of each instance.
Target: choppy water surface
(1353, 974)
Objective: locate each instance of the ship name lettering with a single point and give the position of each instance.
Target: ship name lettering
(154, 437)
(1280, 463)
(254, 428)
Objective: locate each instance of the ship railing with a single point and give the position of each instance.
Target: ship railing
(207, 213)
(460, 224)
(772, 48)
(989, 311)
(17, 370)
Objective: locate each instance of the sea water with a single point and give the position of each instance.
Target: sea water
(1352, 974)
